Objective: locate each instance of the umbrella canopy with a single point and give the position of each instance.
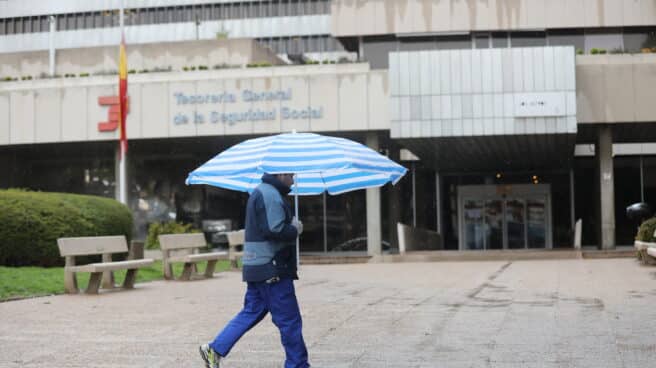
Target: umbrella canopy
(321, 163)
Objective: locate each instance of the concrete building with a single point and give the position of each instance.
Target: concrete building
(515, 117)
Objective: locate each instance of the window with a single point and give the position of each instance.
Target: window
(234, 11)
(499, 39)
(454, 42)
(61, 22)
(88, 20)
(636, 39)
(79, 21)
(528, 39)
(27, 25)
(97, 19)
(45, 24)
(482, 41)
(606, 39)
(567, 38)
(18, 25)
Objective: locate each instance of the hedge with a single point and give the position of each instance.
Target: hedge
(160, 228)
(31, 222)
(646, 230)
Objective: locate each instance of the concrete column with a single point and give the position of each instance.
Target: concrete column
(393, 202)
(373, 208)
(604, 156)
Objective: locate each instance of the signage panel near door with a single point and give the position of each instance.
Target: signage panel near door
(540, 104)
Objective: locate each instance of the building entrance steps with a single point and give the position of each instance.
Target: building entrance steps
(504, 255)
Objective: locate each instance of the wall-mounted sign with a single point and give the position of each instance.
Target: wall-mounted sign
(224, 99)
(112, 114)
(540, 104)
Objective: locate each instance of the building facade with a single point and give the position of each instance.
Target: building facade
(515, 117)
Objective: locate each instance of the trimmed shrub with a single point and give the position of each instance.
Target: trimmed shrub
(32, 222)
(646, 231)
(159, 228)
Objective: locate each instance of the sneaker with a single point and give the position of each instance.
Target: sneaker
(210, 356)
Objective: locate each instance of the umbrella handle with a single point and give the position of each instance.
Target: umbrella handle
(298, 252)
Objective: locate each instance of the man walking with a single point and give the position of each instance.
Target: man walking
(269, 268)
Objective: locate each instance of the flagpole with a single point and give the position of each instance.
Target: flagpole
(123, 183)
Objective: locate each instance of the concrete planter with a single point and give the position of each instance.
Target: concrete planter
(641, 248)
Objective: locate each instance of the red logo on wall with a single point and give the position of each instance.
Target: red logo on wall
(113, 114)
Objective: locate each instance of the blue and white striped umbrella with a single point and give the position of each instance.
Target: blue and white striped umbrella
(321, 163)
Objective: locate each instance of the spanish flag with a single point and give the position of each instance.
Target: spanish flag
(123, 95)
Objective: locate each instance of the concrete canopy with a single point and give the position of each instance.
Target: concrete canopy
(485, 153)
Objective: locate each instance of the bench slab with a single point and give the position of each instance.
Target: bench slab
(199, 257)
(111, 266)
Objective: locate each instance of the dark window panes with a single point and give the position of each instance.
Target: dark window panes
(10, 26)
(79, 20)
(607, 39)
(499, 39)
(178, 15)
(233, 11)
(346, 222)
(163, 15)
(88, 20)
(36, 24)
(135, 16)
(567, 38)
(627, 191)
(482, 41)
(649, 179)
(205, 12)
(293, 8)
(3, 27)
(45, 24)
(19, 25)
(224, 11)
(528, 39)
(27, 25)
(635, 40)
(454, 42)
(419, 43)
(311, 210)
(61, 22)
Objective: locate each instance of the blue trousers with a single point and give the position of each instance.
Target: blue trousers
(278, 298)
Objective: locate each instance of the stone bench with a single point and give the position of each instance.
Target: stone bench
(185, 248)
(102, 271)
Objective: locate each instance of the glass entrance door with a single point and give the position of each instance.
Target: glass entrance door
(515, 223)
(493, 220)
(494, 224)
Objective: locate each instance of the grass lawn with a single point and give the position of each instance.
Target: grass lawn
(22, 282)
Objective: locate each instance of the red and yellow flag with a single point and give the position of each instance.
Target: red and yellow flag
(123, 95)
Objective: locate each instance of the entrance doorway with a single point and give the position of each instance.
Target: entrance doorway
(504, 216)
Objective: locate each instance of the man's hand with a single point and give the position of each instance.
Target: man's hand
(298, 225)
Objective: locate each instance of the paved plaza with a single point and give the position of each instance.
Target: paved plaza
(555, 313)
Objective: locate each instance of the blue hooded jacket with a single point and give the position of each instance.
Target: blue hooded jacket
(269, 246)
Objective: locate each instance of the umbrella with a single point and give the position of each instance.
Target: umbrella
(320, 164)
